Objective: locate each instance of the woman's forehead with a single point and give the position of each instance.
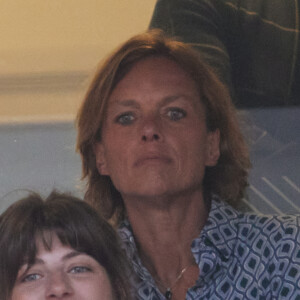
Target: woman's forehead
(153, 74)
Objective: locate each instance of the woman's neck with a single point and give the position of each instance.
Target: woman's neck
(164, 230)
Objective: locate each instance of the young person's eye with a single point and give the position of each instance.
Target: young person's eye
(125, 118)
(31, 277)
(176, 114)
(80, 269)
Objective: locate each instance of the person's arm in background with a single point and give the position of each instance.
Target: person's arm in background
(251, 45)
(200, 23)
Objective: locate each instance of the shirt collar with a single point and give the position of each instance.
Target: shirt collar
(126, 234)
(220, 230)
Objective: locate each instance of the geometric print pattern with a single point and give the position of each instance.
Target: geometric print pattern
(240, 256)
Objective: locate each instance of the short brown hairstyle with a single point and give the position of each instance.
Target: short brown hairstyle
(227, 179)
(75, 223)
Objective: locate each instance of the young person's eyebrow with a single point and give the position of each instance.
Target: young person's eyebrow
(39, 261)
(72, 254)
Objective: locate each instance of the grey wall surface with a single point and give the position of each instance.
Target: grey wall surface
(37, 157)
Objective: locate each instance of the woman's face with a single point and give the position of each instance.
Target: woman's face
(62, 273)
(154, 137)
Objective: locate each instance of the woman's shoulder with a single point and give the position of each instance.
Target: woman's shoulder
(275, 227)
(274, 230)
(271, 235)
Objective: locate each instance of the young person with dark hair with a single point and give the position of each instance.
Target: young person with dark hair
(59, 248)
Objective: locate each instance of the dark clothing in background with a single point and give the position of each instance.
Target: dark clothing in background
(253, 45)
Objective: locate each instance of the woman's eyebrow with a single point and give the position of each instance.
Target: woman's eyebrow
(126, 103)
(166, 100)
(170, 99)
(133, 104)
(180, 97)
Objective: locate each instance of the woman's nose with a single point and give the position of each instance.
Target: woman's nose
(151, 130)
(58, 286)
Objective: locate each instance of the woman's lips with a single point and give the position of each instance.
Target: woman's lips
(152, 159)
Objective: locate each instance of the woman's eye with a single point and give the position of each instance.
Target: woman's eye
(125, 119)
(80, 269)
(31, 277)
(175, 114)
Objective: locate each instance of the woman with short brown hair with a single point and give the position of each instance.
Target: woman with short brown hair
(164, 157)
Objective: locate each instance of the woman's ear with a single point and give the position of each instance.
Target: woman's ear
(100, 158)
(213, 148)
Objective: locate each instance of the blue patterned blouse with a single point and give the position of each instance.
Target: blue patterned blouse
(240, 256)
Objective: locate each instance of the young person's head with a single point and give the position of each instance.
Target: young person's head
(226, 178)
(59, 248)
